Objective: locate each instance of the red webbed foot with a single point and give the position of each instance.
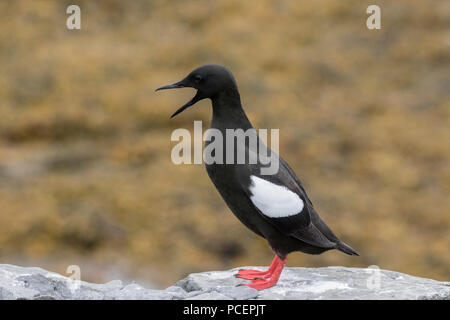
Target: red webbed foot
(250, 274)
(260, 284)
(263, 279)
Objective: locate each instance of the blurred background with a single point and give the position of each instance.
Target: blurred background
(85, 171)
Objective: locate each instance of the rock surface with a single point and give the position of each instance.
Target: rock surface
(295, 283)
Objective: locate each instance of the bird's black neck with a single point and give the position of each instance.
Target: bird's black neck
(228, 112)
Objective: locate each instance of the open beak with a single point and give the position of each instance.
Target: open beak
(177, 85)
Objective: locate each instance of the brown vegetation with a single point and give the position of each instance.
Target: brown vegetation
(85, 170)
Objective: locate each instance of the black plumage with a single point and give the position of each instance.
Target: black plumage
(303, 231)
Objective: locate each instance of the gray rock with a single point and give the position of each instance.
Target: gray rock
(177, 291)
(323, 283)
(295, 283)
(212, 279)
(238, 292)
(195, 293)
(212, 295)
(136, 292)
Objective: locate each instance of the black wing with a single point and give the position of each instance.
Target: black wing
(299, 225)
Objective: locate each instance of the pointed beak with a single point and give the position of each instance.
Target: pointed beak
(177, 85)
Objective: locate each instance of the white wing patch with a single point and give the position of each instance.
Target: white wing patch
(274, 201)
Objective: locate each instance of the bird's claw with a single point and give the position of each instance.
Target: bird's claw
(250, 276)
(260, 284)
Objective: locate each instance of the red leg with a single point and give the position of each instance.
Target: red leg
(251, 274)
(270, 281)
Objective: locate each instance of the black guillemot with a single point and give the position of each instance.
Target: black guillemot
(274, 206)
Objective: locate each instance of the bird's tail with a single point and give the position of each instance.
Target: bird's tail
(346, 249)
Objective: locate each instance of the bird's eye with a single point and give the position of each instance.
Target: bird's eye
(198, 78)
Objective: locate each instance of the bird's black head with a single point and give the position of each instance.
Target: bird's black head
(209, 80)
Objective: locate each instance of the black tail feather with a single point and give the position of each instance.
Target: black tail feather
(346, 249)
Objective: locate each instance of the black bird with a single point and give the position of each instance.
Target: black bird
(275, 206)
